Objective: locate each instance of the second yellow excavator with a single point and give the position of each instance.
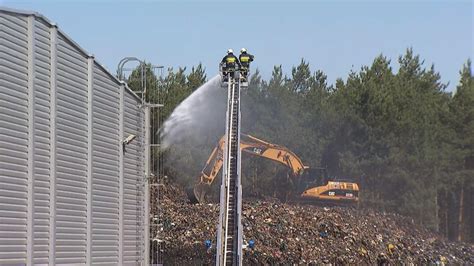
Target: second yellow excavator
(311, 184)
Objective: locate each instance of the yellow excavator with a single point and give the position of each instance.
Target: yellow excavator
(312, 184)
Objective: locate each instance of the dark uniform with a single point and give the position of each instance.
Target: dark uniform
(230, 63)
(245, 60)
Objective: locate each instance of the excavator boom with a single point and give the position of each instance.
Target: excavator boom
(332, 191)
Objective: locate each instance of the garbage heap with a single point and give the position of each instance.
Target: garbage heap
(302, 234)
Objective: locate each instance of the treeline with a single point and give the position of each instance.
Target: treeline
(407, 141)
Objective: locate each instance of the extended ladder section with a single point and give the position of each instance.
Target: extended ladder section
(229, 234)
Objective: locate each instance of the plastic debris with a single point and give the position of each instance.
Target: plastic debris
(302, 234)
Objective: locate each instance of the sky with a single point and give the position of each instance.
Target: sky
(333, 36)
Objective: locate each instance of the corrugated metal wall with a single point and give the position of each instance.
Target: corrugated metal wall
(13, 137)
(42, 85)
(69, 192)
(71, 154)
(105, 163)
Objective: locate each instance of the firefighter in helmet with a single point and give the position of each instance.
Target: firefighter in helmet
(245, 60)
(230, 63)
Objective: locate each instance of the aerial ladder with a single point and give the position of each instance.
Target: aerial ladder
(229, 232)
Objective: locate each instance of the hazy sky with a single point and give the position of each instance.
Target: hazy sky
(335, 36)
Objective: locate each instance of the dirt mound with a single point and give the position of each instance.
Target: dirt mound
(302, 234)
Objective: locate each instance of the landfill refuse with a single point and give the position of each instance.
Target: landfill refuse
(300, 234)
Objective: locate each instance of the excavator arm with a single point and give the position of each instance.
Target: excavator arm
(248, 144)
(312, 188)
(258, 147)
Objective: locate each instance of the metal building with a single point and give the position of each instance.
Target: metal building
(71, 190)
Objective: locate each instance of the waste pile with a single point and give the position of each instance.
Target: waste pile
(302, 234)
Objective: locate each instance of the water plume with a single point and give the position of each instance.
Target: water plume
(200, 115)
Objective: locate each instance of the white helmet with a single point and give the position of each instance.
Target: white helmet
(243, 50)
(230, 51)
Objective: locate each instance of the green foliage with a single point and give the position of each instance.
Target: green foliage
(400, 135)
(197, 77)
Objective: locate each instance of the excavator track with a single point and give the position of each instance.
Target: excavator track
(323, 202)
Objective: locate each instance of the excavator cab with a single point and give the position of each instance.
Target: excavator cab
(316, 185)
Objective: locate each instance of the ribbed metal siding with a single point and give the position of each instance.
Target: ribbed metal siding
(13, 138)
(133, 194)
(71, 179)
(59, 201)
(42, 142)
(105, 169)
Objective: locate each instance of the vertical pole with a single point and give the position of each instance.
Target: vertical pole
(460, 236)
(121, 154)
(446, 213)
(146, 184)
(52, 166)
(221, 231)
(31, 142)
(90, 84)
(239, 185)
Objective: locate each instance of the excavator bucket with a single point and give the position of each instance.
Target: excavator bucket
(198, 193)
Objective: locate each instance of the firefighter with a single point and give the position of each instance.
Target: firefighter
(245, 60)
(230, 63)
